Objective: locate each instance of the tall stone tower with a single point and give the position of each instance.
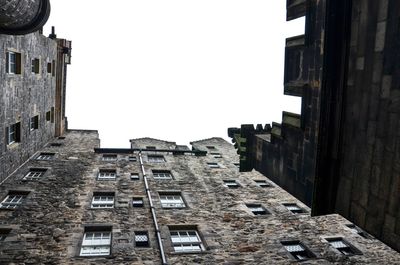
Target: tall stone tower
(19, 17)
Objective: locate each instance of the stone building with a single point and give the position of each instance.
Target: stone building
(76, 203)
(33, 72)
(341, 154)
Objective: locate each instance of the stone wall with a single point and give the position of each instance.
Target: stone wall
(25, 95)
(48, 227)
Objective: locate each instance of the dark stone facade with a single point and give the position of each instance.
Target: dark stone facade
(48, 226)
(32, 91)
(341, 154)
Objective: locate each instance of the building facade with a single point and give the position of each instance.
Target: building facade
(341, 154)
(162, 203)
(32, 89)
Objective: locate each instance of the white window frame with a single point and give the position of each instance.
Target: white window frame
(186, 241)
(257, 209)
(231, 183)
(96, 243)
(12, 64)
(101, 201)
(172, 200)
(294, 208)
(135, 176)
(142, 239)
(343, 246)
(162, 175)
(262, 183)
(137, 202)
(298, 250)
(106, 174)
(12, 133)
(213, 165)
(155, 159)
(13, 200)
(45, 156)
(35, 174)
(109, 157)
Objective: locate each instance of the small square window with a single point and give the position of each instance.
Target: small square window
(107, 174)
(359, 231)
(135, 176)
(103, 200)
(35, 66)
(142, 239)
(13, 62)
(35, 173)
(171, 200)
(162, 174)
(216, 155)
(294, 208)
(109, 158)
(343, 246)
(137, 202)
(298, 250)
(262, 183)
(96, 241)
(213, 165)
(13, 200)
(13, 133)
(257, 209)
(4, 233)
(186, 240)
(132, 159)
(232, 184)
(34, 123)
(156, 159)
(45, 156)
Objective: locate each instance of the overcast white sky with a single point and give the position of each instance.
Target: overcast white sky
(177, 70)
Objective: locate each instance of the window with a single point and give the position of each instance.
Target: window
(52, 114)
(103, 200)
(142, 239)
(96, 241)
(358, 231)
(109, 158)
(55, 144)
(257, 209)
(53, 68)
(35, 66)
(344, 247)
(61, 137)
(135, 176)
(34, 123)
(45, 156)
(298, 250)
(262, 183)
(48, 116)
(107, 174)
(211, 147)
(13, 199)
(186, 240)
(216, 155)
(294, 208)
(137, 202)
(150, 147)
(13, 133)
(49, 68)
(4, 233)
(35, 173)
(171, 200)
(13, 63)
(232, 184)
(132, 159)
(213, 165)
(162, 174)
(155, 159)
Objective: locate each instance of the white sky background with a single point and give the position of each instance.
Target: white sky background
(177, 70)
